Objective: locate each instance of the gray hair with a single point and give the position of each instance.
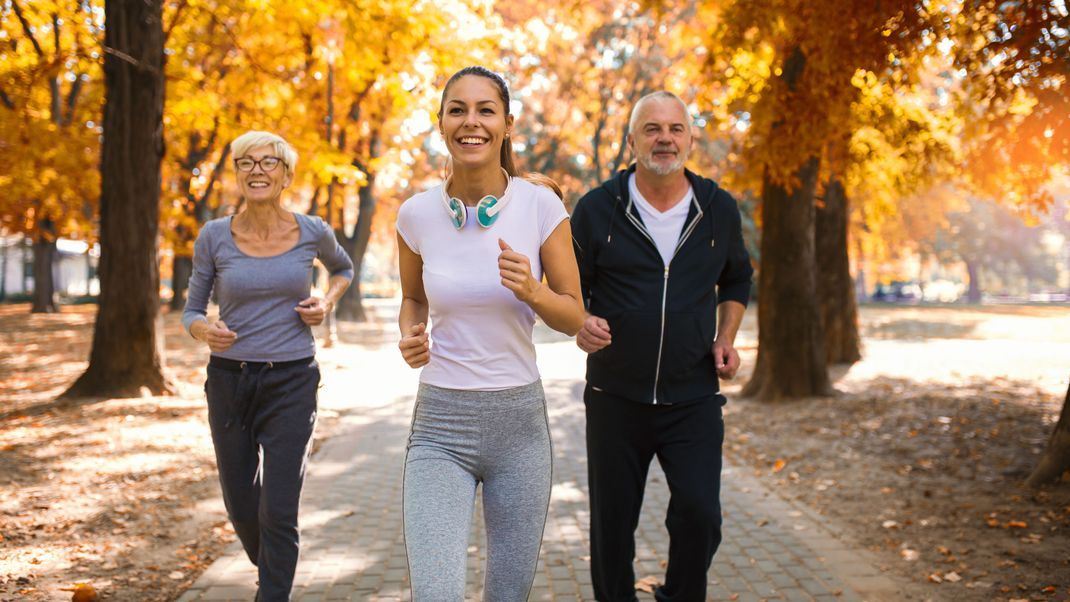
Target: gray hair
(659, 95)
(241, 145)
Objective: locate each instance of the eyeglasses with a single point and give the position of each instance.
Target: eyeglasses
(265, 163)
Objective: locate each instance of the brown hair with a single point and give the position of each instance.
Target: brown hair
(503, 94)
(547, 182)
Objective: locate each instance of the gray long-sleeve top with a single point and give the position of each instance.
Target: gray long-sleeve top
(257, 295)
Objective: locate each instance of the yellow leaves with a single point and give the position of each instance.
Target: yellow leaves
(1022, 103)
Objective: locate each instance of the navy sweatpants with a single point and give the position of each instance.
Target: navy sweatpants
(262, 416)
(622, 438)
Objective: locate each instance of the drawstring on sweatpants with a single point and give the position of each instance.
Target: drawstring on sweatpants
(247, 395)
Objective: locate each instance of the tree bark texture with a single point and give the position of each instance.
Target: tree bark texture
(125, 356)
(973, 293)
(44, 262)
(836, 292)
(791, 346)
(351, 305)
(181, 270)
(1056, 458)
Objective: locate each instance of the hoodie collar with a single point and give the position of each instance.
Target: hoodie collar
(705, 188)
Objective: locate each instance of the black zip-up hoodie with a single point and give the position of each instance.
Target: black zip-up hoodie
(662, 320)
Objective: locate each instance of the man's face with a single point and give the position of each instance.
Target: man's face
(662, 137)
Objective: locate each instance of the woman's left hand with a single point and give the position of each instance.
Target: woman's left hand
(515, 270)
(313, 310)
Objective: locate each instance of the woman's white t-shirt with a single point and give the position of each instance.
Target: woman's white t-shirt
(480, 332)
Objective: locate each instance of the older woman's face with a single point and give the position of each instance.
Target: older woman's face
(260, 184)
(474, 121)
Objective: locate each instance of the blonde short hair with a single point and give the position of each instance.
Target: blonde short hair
(241, 145)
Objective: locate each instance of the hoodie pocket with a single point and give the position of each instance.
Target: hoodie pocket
(634, 350)
(688, 345)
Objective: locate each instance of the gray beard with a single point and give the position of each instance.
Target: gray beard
(661, 169)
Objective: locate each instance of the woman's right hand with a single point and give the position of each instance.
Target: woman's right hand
(216, 334)
(414, 347)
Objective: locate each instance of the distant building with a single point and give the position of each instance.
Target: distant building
(74, 272)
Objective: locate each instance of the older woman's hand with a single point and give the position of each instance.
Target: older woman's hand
(313, 310)
(415, 347)
(217, 335)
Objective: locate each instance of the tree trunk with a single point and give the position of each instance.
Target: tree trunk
(44, 261)
(351, 305)
(973, 294)
(181, 269)
(1056, 458)
(791, 348)
(836, 293)
(3, 270)
(125, 356)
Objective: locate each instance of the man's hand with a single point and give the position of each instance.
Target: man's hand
(594, 335)
(415, 347)
(727, 359)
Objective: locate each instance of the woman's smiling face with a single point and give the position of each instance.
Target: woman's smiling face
(474, 121)
(259, 184)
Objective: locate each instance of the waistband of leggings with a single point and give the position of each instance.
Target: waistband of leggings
(504, 398)
(237, 365)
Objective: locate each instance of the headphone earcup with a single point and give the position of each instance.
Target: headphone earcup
(457, 211)
(486, 214)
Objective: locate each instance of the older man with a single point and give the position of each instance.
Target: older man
(666, 279)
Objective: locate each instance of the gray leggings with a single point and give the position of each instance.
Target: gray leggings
(459, 439)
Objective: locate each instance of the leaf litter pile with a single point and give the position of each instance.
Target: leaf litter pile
(928, 473)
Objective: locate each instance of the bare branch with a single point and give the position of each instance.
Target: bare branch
(72, 96)
(27, 29)
(55, 32)
(219, 166)
(129, 59)
(175, 21)
(57, 100)
(7, 100)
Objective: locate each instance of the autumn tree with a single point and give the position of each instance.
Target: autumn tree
(803, 104)
(125, 355)
(386, 72)
(49, 110)
(1016, 55)
(577, 70)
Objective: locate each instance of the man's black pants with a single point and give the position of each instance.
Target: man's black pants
(262, 416)
(622, 438)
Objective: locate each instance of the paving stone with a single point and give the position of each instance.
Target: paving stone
(354, 548)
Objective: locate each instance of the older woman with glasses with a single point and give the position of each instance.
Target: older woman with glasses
(262, 374)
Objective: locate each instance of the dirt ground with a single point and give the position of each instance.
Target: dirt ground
(922, 455)
(919, 458)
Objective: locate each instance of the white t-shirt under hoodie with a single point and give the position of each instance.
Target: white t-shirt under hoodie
(480, 333)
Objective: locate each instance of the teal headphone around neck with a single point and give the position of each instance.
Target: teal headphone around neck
(487, 209)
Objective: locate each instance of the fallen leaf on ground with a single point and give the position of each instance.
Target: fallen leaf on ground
(647, 584)
(84, 592)
(953, 577)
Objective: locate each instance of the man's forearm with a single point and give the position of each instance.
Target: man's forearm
(730, 316)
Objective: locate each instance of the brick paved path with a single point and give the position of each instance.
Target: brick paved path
(352, 546)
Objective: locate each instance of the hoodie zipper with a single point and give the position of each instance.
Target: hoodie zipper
(665, 280)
